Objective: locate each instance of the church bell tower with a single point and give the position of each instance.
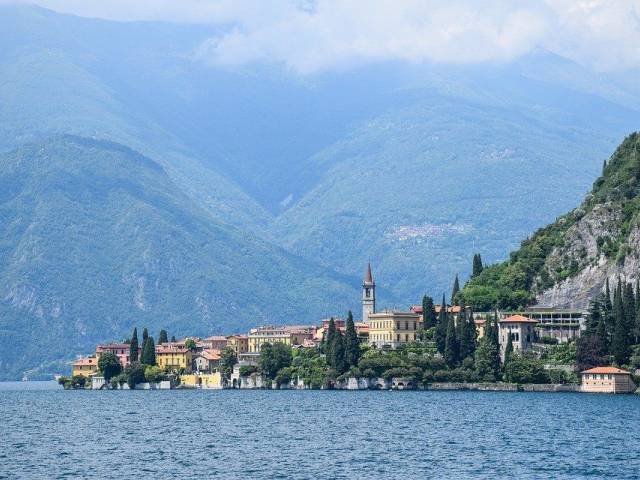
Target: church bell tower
(368, 295)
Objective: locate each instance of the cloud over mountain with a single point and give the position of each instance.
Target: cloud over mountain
(311, 36)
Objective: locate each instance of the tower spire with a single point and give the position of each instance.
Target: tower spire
(368, 294)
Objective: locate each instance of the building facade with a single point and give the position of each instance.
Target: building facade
(390, 329)
(239, 343)
(522, 332)
(174, 357)
(120, 350)
(85, 367)
(607, 380)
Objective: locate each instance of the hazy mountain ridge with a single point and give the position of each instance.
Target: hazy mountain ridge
(96, 238)
(414, 167)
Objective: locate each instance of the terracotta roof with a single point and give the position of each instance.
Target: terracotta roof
(211, 354)
(85, 361)
(518, 319)
(479, 321)
(451, 309)
(112, 346)
(606, 370)
(368, 277)
(216, 338)
(171, 348)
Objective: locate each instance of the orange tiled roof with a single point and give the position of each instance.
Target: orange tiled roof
(606, 370)
(211, 354)
(518, 319)
(85, 361)
(171, 348)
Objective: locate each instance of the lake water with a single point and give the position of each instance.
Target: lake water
(315, 434)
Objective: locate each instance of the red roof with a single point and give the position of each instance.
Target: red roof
(608, 370)
(211, 354)
(85, 361)
(171, 348)
(518, 319)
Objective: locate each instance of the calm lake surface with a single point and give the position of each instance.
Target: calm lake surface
(50, 433)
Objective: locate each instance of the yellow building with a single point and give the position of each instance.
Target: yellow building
(240, 343)
(607, 380)
(288, 335)
(391, 329)
(174, 357)
(85, 367)
(208, 380)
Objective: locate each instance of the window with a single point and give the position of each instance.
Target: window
(406, 325)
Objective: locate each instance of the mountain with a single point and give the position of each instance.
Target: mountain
(567, 263)
(412, 166)
(96, 238)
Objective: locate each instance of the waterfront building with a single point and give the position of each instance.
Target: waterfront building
(607, 380)
(207, 361)
(85, 367)
(288, 335)
(561, 324)
(215, 342)
(390, 329)
(368, 295)
(120, 350)
(522, 331)
(240, 343)
(174, 357)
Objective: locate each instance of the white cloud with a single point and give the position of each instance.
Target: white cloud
(310, 36)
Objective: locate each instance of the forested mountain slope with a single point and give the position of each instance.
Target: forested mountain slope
(567, 263)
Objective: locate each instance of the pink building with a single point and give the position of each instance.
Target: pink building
(121, 350)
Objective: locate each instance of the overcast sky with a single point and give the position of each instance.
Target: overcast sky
(309, 36)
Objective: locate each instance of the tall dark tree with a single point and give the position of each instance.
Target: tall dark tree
(328, 340)
(595, 315)
(636, 329)
(338, 362)
(487, 357)
(477, 265)
(463, 335)
(428, 312)
(149, 352)
(162, 338)
(109, 365)
(351, 343)
(133, 346)
(508, 351)
(620, 341)
(589, 352)
(455, 290)
(441, 327)
(451, 349)
(145, 335)
(629, 302)
(173, 339)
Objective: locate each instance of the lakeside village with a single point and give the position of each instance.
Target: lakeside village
(429, 346)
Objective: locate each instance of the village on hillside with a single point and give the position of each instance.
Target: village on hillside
(428, 346)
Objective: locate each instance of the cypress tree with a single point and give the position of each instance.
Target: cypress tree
(629, 307)
(462, 335)
(472, 335)
(173, 339)
(441, 327)
(508, 351)
(636, 330)
(454, 291)
(351, 343)
(162, 338)
(331, 333)
(595, 315)
(133, 346)
(338, 353)
(145, 335)
(451, 349)
(477, 265)
(620, 341)
(149, 352)
(428, 312)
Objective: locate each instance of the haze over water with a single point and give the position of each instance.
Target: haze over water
(315, 434)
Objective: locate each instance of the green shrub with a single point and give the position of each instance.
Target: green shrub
(247, 370)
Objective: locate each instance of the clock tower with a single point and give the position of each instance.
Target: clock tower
(368, 295)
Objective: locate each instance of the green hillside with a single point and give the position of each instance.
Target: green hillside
(96, 238)
(579, 251)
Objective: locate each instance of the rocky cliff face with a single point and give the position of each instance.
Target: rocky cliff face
(594, 267)
(567, 262)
